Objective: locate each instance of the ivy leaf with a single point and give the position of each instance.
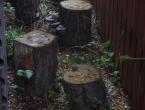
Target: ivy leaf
(80, 59)
(102, 59)
(20, 73)
(51, 93)
(25, 73)
(28, 74)
(16, 88)
(69, 59)
(110, 54)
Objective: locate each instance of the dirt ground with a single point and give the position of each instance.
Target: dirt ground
(56, 99)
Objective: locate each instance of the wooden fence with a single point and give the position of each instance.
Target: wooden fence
(123, 23)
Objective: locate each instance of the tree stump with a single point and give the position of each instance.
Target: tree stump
(36, 51)
(75, 16)
(26, 10)
(85, 88)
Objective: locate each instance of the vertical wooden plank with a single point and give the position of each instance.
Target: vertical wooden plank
(131, 47)
(138, 36)
(96, 7)
(141, 88)
(142, 92)
(127, 44)
(137, 67)
(118, 31)
(132, 52)
(99, 7)
(129, 38)
(125, 67)
(103, 18)
(111, 15)
(101, 2)
(115, 26)
(122, 40)
(143, 81)
(107, 18)
(122, 22)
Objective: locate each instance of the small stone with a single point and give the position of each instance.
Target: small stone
(74, 68)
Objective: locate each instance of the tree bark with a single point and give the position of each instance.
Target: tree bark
(26, 10)
(85, 88)
(36, 51)
(75, 16)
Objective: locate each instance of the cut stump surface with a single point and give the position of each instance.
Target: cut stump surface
(85, 87)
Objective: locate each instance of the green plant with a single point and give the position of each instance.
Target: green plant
(62, 99)
(106, 59)
(116, 77)
(56, 92)
(72, 59)
(11, 34)
(8, 7)
(16, 88)
(51, 93)
(105, 46)
(25, 73)
(80, 59)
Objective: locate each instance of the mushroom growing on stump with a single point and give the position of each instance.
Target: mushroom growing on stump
(36, 51)
(75, 16)
(85, 88)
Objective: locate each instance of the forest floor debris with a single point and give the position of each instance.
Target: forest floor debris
(56, 99)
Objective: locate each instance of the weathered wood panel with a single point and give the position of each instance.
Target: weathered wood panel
(123, 23)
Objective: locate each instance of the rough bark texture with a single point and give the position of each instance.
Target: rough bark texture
(86, 90)
(77, 22)
(37, 51)
(26, 10)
